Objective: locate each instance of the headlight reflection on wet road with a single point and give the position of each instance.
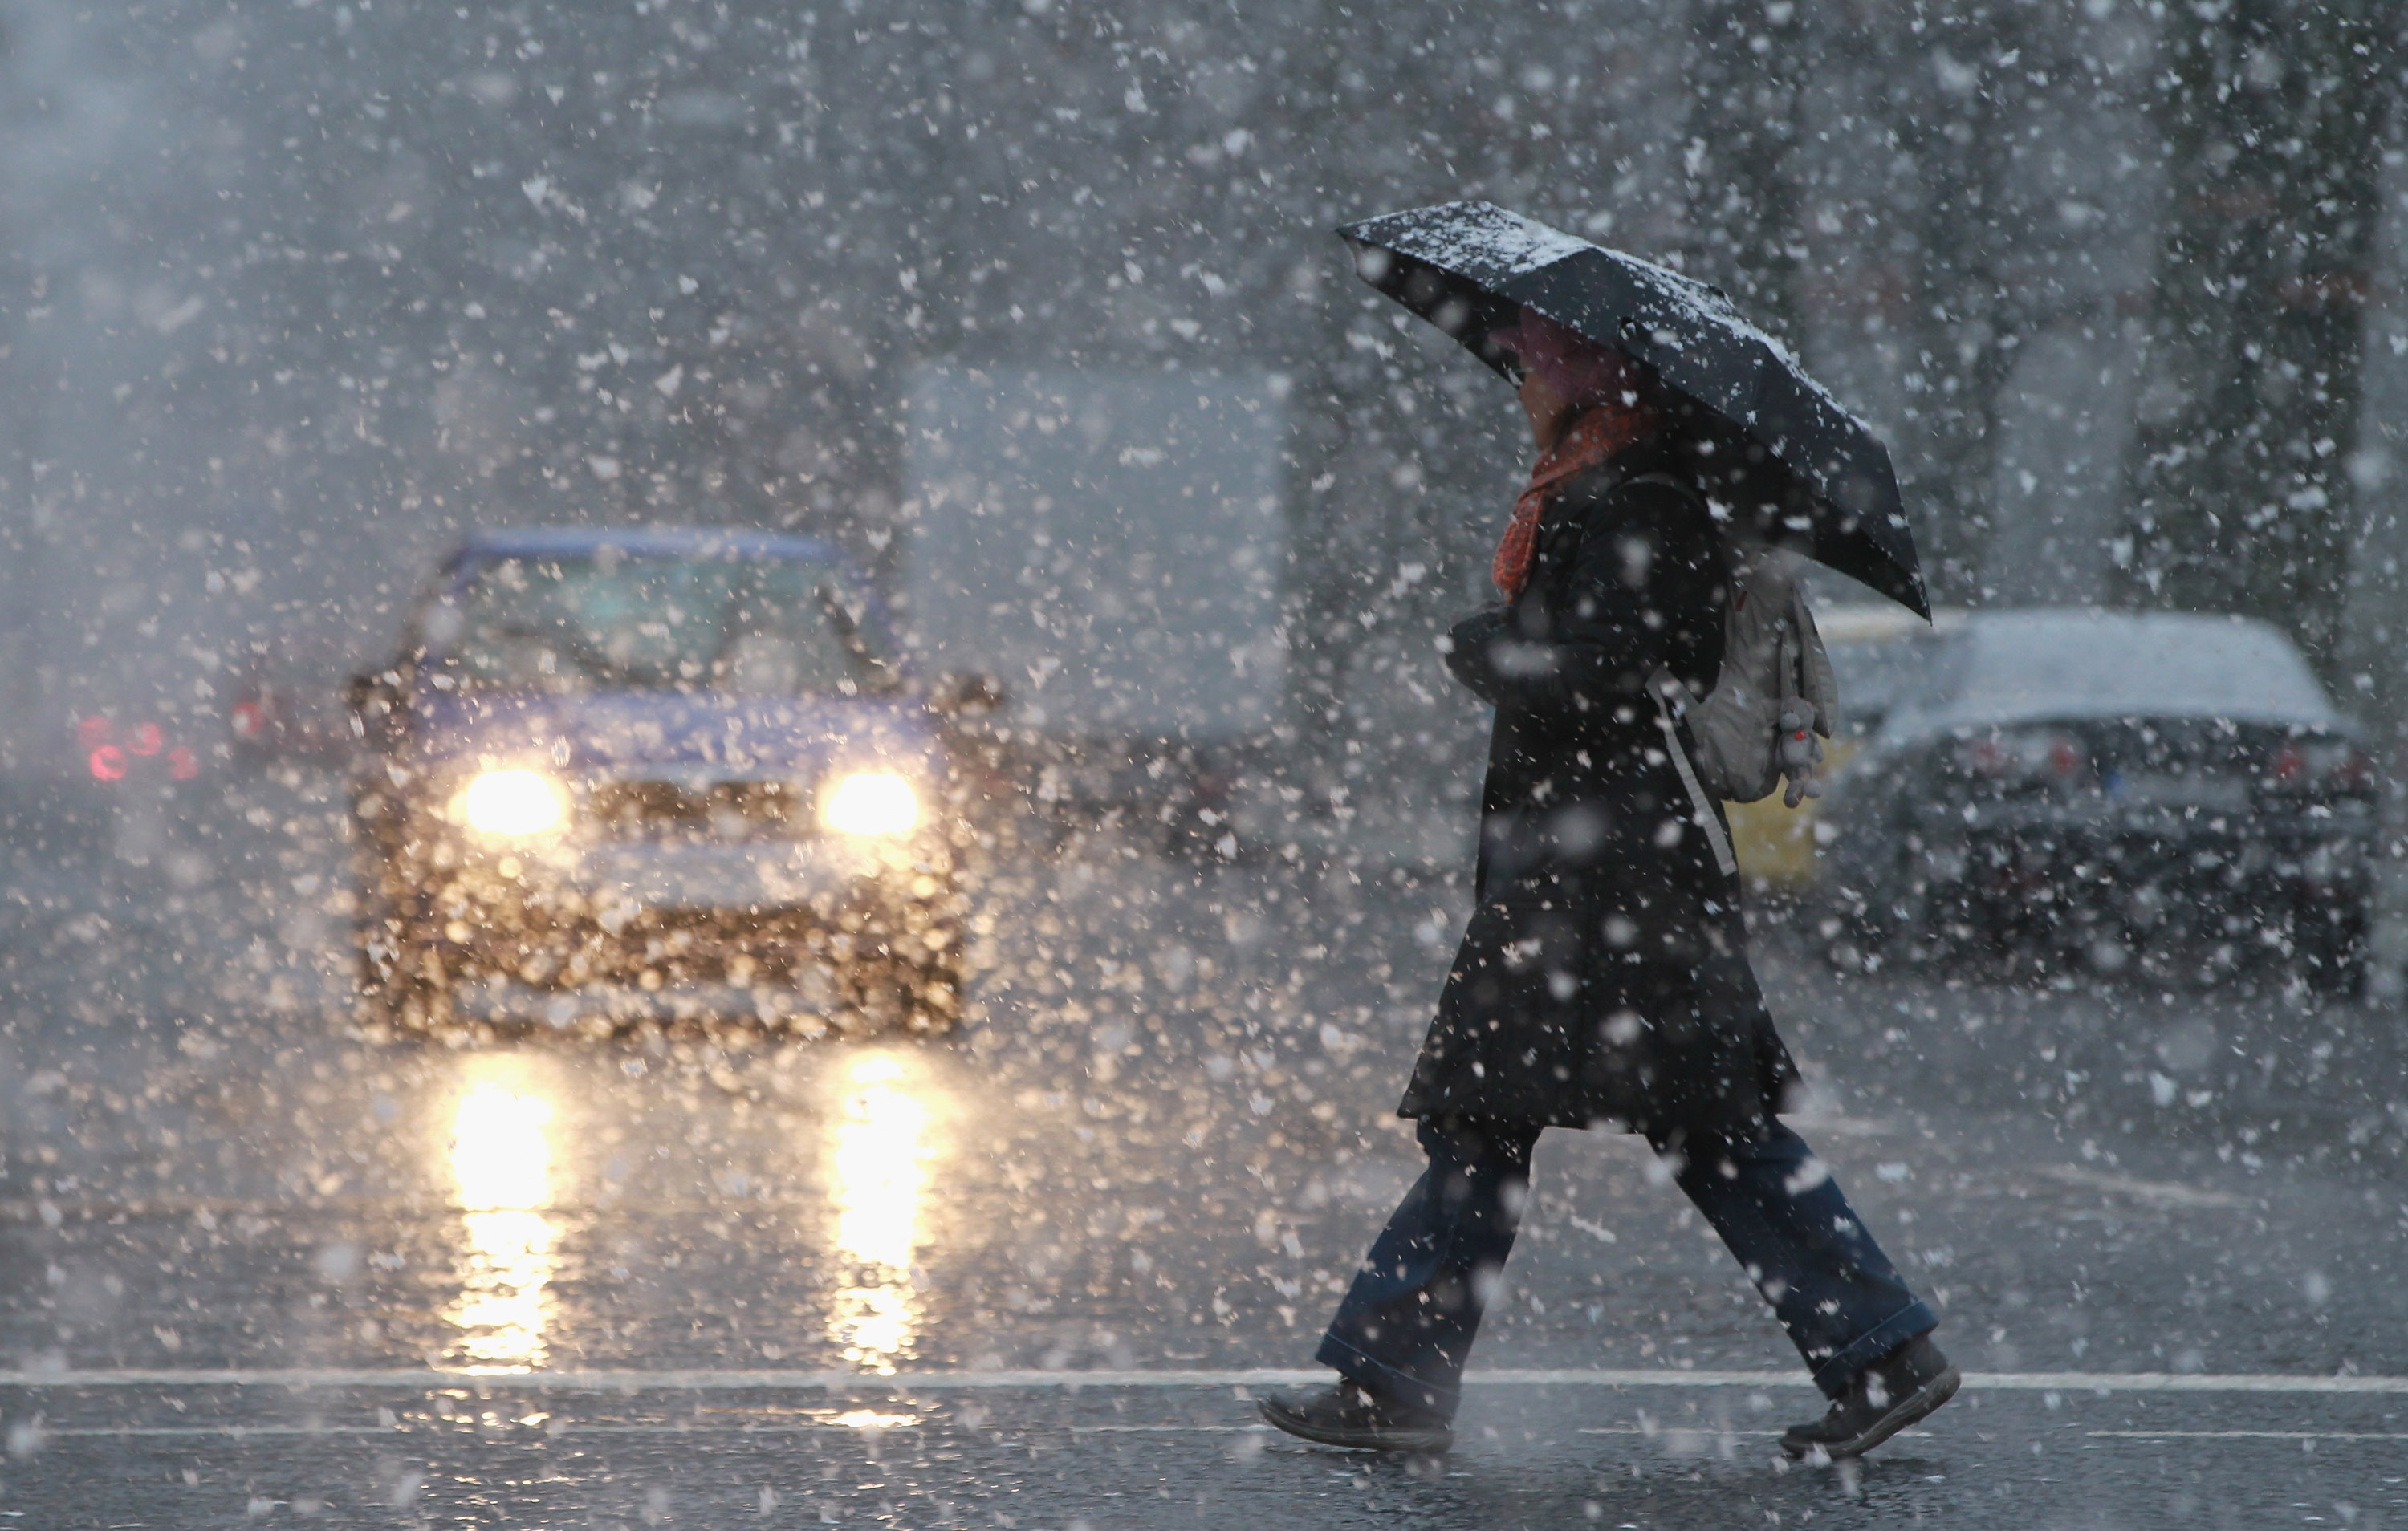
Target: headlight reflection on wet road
(878, 1170)
(501, 1169)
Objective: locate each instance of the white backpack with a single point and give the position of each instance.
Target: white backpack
(1776, 692)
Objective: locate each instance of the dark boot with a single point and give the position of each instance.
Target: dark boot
(1885, 1397)
(1343, 1414)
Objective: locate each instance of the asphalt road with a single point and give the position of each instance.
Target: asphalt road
(253, 1270)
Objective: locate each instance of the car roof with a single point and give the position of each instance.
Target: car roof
(2010, 666)
(648, 543)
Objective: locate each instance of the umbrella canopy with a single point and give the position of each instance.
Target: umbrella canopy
(1773, 445)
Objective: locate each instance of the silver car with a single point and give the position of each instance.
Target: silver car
(2109, 788)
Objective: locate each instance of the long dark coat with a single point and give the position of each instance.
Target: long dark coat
(1604, 977)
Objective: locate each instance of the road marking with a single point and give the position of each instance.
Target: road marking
(1693, 1431)
(686, 1427)
(219, 1432)
(437, 1432)
(2163, 1192)
(2251, 1435)
(1170, 1429)
(669, 1380)
(2174, 1382)
(1004, 1381)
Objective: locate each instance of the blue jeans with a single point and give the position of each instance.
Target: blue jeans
(1407, 1324)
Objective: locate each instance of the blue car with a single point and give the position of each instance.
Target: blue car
(620, 776)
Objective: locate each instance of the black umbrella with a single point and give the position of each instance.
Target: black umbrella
(1774, 446)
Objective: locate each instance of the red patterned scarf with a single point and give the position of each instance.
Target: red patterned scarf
(1593, 437)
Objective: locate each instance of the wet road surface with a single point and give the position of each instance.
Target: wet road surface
(1147, 1456)
(254, 1270)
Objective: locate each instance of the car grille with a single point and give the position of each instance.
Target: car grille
(718, 810)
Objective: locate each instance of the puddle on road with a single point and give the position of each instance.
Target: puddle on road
(879, 1164)
(501, 1171)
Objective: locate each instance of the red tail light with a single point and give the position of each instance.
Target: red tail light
(2031, 754)
(108, 764)
(2326, 765)
(2354, 771)
(2341, 766)
(91, 732)
(249, 719)
(182, 764)
(146, 740)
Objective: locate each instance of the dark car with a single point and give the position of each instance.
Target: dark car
(667, 773)
(287, 704)
(2095, 787)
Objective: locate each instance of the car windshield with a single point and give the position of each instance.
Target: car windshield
(763, 628)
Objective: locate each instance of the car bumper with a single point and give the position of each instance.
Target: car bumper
(791, 874)
(2098, 858)
(626, 878)
(807, 1007)
(719, 928)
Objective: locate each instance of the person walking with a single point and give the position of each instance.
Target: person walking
(1604, 978)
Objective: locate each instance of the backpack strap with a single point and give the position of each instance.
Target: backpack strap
(1660, 685)
(1670, 481)
(1617, 477)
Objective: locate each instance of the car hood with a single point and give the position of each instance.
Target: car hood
(623, 733)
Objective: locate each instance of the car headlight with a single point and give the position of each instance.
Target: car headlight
(870, 803)
(513, 804)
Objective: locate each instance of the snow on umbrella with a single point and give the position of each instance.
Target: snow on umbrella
(1775, 445)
